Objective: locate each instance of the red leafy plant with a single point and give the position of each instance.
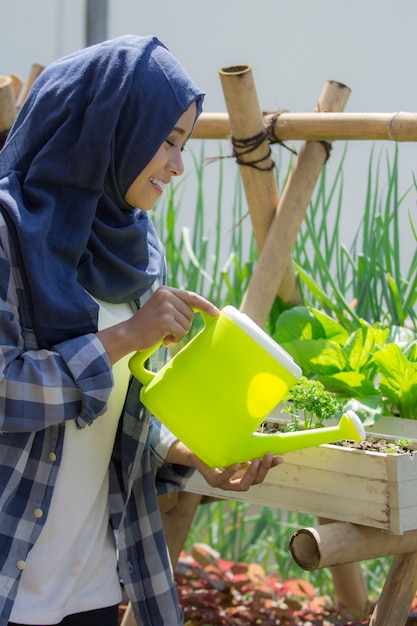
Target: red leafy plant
(213, 591)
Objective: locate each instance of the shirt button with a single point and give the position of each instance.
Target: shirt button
(52, 456)
(38, 513)
(21, 565)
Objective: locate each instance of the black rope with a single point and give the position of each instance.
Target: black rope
(270, 130)
(249, 144)
(245, 146)
(328, 148)
(274, 139)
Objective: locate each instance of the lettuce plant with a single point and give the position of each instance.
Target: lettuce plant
(372, 369)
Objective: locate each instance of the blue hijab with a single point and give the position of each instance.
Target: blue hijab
(91, 123)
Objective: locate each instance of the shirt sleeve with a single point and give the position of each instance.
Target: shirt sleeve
(39, 388)
(169, 476)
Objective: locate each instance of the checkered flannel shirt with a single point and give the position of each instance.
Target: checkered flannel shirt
(39, 391)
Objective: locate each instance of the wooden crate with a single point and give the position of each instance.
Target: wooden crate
(344, 484)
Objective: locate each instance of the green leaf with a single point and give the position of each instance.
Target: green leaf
(302, 322)
(362, 344)
(349, 384)
(398, 381)
(317, 356)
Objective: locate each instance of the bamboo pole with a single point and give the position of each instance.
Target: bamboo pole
(331, 126)
(292, 207)
(129, 617)
(351, 590)
(337, 543)
(398, 593)
(34, 72)
(245, 122)
(17, 84)
(7, 104)
(177, 511)
(256, 165)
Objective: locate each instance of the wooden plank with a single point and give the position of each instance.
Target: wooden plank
(361, 487)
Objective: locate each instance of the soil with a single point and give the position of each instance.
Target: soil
(372, 444)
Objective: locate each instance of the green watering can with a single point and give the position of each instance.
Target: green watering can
(216, 391)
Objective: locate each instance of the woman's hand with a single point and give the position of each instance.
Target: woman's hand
(165, 318)
(168, 315)
(238, 477)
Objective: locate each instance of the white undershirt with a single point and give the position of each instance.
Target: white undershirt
(73, 566)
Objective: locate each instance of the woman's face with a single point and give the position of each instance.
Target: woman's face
(167, 162)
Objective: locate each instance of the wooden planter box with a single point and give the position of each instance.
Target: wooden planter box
(343, 484)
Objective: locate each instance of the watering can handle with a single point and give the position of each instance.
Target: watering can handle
(138, 360)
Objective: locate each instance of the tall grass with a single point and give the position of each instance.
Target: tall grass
(366, 279)
(363, 279)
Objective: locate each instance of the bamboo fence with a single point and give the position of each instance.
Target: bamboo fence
(330, 126)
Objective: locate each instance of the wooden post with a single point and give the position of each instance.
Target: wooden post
(351, 590)
(246, 123)
(292, 207)
(7, 104)
(17, 84)
(337, 543)
(177, 512)
(398, 592)
(349, 584)
(253, 154)
(129, 617)
(334, 544)
(35, 70)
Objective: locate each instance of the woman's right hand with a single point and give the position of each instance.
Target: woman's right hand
(165, 318)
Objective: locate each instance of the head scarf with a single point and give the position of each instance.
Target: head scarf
(91, 123)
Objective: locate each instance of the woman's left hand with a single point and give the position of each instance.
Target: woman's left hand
(238, 477)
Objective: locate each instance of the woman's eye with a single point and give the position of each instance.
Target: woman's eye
(173, 145)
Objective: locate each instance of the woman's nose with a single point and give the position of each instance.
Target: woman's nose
(176, 164)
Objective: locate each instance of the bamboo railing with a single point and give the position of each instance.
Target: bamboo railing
(328, 127)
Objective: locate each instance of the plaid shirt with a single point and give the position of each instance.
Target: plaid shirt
(39, 391)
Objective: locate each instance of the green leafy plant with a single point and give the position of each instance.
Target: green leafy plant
(399, 445)
(373, 365)
(309, 404)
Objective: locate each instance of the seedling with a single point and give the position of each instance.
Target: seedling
(309, 400)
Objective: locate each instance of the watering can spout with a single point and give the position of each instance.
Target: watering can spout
(350, 428)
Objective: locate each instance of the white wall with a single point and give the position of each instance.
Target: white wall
(293, 46)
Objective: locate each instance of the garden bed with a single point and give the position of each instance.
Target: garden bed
(343, 483)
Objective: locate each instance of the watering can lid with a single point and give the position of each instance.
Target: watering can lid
(263, 339)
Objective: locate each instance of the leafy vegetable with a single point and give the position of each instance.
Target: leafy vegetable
(308, 398)
(398, 380)
(374, 365)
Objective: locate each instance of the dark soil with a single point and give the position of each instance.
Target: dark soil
(373, 444)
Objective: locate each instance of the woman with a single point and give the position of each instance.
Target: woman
(98, 137)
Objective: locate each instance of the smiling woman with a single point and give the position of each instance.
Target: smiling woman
(80, 290)
(167, 162)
